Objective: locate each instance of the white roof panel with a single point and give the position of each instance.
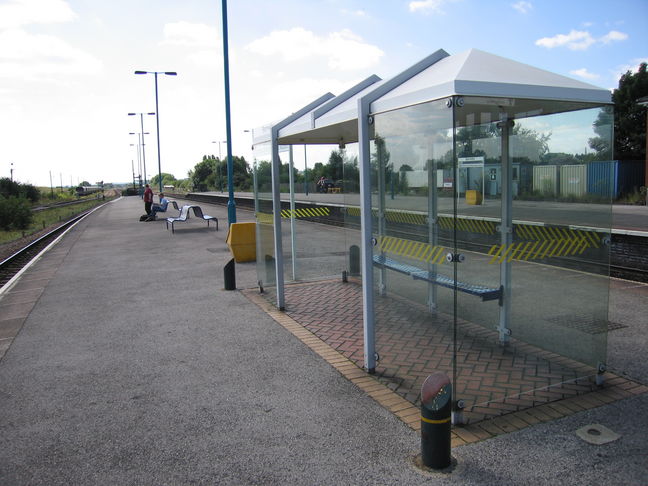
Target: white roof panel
(479, 73)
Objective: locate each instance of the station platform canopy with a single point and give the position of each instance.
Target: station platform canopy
(498, 84)
(429, 200)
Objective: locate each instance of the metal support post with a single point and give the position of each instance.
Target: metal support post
(276, 217)
(366, 239)
(506, 232)
(293, 230)
(432, 230)
(382, 230)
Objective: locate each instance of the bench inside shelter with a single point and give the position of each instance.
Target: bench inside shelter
(485, 293)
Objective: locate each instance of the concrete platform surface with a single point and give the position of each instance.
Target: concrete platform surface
(124, 362)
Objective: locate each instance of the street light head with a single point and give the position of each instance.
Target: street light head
(131, 114)
(141, 72)
(170, 73)
(153, 113)
(132, 133)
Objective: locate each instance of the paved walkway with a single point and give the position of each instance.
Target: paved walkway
(126, 363)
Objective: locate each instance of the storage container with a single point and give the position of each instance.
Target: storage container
(573, 180)
(545, 179)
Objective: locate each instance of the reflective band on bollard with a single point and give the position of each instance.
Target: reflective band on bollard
(436, 407)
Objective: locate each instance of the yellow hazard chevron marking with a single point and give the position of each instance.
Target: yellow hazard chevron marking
(540, 233)
(299, 213)
(446, 222)
(415, 250)
(537, 250)
(305, 212)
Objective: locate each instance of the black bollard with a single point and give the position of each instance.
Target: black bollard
(230, 275)
(436, 406)
(354, 260)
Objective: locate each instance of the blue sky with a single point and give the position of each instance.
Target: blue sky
(67, 82)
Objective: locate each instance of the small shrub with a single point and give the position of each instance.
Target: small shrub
(15, 212)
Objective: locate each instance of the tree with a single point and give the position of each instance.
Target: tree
(202, 171)
(629, 117)
(602, 143)
(336, 165)
(167, 180)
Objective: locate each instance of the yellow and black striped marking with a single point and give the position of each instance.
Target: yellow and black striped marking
(298, 213)
(305, 212)
(415, 250)
(471, 225)
(540, 233)
(445, 222)
(538, 250)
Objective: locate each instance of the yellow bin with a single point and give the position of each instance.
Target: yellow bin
(241, 239)
(473, 197)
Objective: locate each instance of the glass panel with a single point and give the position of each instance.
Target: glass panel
(547, 245)
(262, 167)
(317, 235)
(411, 183)
(351, 201)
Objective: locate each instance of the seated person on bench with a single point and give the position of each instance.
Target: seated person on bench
(158, 208)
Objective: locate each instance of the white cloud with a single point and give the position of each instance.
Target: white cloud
(612, 36)
(190, 34)
(579, 40)
(584, 73)
(522, 7)
(28, 56)
(344, 50)
(16, 13)
(576, 40)
(428, 6)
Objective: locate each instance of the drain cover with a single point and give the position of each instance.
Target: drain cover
(597, 434)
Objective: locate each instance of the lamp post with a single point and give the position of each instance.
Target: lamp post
(139, 162)
(157, 115)
(141, 158)
(231, 204)
(220, 160)
(142, 132)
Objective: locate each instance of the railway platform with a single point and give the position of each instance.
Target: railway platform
(125, 362)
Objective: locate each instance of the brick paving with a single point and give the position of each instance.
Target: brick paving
(412, 343)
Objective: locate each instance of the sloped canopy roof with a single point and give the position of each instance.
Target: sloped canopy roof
(335, 121)
(491, 84)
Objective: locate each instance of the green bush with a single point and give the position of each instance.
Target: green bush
(15, 212)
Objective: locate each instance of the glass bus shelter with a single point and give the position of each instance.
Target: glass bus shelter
(465, 211)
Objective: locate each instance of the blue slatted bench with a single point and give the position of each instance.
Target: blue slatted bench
(486, 293)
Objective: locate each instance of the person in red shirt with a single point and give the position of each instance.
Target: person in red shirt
(148, 199)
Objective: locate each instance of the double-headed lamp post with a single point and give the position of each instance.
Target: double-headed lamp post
(142, 141)
(157, 117)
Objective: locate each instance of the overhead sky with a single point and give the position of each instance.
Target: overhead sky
(67, 68)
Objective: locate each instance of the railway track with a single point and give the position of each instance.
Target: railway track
(16, 262)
